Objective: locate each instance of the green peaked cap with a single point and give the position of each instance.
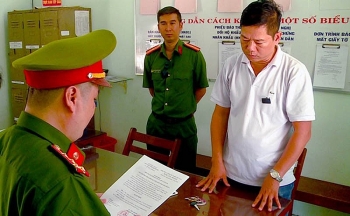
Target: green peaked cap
(70, 53)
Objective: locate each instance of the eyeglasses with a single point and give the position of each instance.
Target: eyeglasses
(165, 72)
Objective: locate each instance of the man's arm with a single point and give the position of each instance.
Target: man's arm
(199, 93)
(151, 91)
(218, 130)
(269, 189)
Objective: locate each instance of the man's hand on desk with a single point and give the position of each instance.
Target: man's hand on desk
(217, 172)
(268, 194)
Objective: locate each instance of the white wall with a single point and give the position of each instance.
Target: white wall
(329, 147)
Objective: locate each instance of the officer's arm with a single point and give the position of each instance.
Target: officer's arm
(199, 93)
(151, 91)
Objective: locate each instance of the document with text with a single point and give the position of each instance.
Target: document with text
(143, 188)
(330, 66)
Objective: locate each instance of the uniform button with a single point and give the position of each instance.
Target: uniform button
(167, 89)
(75, 155)
(166, 104)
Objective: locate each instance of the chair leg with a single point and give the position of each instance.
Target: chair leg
(290, 213)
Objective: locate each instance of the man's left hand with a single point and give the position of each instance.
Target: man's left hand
(268, 194)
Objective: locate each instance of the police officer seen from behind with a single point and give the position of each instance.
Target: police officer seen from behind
(41, 169)
(175, 74)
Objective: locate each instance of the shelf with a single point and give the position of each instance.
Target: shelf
(119, 80)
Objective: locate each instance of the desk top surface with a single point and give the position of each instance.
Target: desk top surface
(232, 200)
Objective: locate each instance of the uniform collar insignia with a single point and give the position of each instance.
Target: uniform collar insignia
(179, 49)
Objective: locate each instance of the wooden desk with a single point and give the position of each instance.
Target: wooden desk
(227, 201)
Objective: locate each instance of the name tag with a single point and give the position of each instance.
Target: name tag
(155, 71)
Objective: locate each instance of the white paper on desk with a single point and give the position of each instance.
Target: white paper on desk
(144, 187)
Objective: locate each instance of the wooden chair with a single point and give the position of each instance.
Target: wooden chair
(172, 145)
(297, 174)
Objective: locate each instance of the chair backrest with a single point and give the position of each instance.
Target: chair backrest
(297, 171)
(172, 145)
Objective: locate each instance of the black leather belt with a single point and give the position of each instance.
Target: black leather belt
(170, 120)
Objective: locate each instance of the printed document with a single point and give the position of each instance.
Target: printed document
(144, 187)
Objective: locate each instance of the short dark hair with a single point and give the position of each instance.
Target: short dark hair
(262, 12)
(169, 10)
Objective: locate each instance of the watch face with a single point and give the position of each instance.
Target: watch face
(274, 174)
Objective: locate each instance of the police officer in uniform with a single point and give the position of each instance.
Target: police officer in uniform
(41, 169)
(175, 74)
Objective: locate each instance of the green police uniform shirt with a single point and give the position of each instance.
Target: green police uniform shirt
(36, 180)
(175, 81)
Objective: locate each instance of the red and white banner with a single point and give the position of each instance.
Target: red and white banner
(52, 2)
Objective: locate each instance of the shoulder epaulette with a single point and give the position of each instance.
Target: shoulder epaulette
(191, 46)
(151, 50)
(73, 157)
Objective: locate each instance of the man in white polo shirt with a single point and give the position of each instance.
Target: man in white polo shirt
(263, 113)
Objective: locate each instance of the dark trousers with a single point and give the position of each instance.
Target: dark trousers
(186, 131)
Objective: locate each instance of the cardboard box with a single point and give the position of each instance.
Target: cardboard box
(15, 35)
(31, 31)
(48, 26)
(18, 98)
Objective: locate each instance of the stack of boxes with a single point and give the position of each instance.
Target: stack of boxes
(28, 30)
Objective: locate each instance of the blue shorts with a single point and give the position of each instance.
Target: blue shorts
(284, 191)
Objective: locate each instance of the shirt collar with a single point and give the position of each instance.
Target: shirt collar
(44, 130)
(59, 142)
(276, 60)
(178, 48)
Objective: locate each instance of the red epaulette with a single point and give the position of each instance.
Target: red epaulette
(193, 47)
(151, 50)
(74, 157)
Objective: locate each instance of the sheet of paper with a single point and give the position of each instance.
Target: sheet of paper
(82, 22)
(285, 4)
(186, 6)
(230, 5)
(149, 7)
(286, 47)
(140, 55)
(330, 66)
(227, 49)
(144, 187)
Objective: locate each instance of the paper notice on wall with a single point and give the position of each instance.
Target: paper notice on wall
(230, 5)
(149, 7)
(186, 6)
(285, 4)
(227, 49)
(82, 22)
(286, 47)
(330, 66)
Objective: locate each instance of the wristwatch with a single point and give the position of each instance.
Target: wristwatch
(274, 174)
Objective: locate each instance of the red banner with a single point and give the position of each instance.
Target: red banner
(52, 2)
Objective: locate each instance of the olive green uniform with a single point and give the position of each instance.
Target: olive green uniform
(173, 104)
(36, 180)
